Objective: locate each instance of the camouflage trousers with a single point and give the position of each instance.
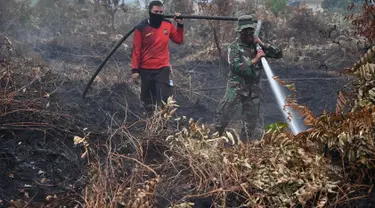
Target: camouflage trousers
(242, 91)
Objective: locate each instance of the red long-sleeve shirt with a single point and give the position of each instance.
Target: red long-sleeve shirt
(150, 45)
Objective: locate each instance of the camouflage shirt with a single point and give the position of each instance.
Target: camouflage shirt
(240, 56)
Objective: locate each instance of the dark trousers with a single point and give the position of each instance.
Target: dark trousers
(155, 87)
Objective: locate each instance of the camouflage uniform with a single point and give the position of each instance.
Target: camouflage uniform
(243, 83)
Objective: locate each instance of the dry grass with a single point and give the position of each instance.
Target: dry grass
(116, 179)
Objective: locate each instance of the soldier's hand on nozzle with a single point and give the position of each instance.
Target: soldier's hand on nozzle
(178, 20)
(259, 55)
(135, 77)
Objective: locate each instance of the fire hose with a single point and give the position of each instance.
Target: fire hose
(132, 30)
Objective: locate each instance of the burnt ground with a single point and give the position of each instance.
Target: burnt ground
(37, 154)
(38, 164)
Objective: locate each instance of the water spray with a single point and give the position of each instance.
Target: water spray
(277, 90)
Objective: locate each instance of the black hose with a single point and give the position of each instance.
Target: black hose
(132, 30)
(105, 61)
(203, 17)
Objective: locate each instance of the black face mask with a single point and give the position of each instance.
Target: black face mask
(247, 36)
(155, 19)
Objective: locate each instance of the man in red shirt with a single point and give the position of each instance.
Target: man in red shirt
(150, 58)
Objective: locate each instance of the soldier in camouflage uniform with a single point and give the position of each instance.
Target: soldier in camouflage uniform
(244, 77)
